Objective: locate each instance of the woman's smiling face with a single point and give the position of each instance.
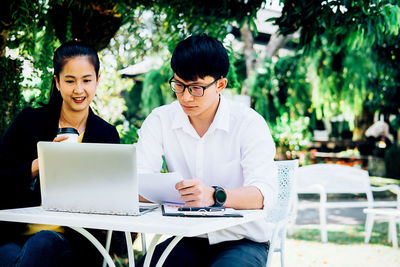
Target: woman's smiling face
(77, 83)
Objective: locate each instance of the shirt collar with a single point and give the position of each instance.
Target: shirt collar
(221, 119)
(181, 120)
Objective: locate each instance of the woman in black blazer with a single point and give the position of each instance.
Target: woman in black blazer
(76, 75)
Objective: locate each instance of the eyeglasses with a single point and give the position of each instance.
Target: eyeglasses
(194, 90)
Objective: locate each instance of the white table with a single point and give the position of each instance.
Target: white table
(152, 222)
(391, 215)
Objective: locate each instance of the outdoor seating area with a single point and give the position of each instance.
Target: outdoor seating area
(181, 133)
(324, 179)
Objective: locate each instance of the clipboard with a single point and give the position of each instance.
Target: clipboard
(172, 210)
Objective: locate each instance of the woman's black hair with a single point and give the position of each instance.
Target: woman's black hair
(61, 56)
(199, 56)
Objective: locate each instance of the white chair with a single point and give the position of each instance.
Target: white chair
(326, 179)
(390, 215)
(280, 215)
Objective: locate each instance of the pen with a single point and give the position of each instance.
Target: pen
(201, 209)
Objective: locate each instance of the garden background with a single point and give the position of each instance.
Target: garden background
(326, 65)
(321, 74)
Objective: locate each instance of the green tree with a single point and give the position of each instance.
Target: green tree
(352, 48)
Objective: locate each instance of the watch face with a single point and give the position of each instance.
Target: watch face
(220, 196)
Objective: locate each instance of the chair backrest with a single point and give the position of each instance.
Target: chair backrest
(286, 183)
(334, 178)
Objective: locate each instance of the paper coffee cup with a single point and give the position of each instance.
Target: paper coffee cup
(72, 134)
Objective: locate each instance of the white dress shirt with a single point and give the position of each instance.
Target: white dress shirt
(237, 150)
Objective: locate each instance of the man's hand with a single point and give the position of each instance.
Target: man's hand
(195, 193)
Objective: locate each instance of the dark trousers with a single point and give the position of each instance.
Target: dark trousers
(193, 251)
(49, 248)
(45, 248)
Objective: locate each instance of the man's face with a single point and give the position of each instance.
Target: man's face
(200, 106)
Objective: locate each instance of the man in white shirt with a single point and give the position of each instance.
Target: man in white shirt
(223, 150)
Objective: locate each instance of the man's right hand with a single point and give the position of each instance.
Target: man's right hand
(195, 193)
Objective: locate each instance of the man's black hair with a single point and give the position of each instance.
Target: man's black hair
(199, 56)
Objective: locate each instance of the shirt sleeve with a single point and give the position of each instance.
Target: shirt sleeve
(257, 159)
(149, 148)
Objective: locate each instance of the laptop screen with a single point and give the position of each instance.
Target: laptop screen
(88, 177)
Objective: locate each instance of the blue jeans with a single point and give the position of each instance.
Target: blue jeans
(193, 251)
(45, 248)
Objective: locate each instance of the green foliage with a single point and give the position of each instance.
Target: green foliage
(346, 23)
(133, 101)
(351, 51)
(38, 25)
(182, 18)
(281, 87)
(291, 136)
(93, 21)
(281, 94)
(238, 66)
(25, 19)
(384, 93)
(10, 94)
(339, 86)
(46, 44)
(233, 81)
(156, 91)
(129, 135)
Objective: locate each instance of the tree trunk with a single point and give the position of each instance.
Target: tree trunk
(275, 43)
(249, 53)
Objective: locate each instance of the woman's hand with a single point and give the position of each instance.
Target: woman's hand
(35, 168)
(60, 138)
(195, 193)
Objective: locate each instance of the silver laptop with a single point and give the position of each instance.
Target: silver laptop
(89, 178)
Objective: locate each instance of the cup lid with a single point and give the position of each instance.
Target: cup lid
(67, 130)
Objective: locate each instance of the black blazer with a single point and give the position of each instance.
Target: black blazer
(18, 149)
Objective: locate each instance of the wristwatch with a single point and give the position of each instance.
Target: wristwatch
(219, 196)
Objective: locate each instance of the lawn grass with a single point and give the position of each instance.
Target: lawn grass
(343, 234)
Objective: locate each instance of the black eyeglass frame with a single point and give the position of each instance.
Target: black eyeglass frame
(188, 87)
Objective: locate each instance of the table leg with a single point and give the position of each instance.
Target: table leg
(108, 244)
(150, 251)
(96, 243)
(144, 248)
(168, 249)
(129, 248)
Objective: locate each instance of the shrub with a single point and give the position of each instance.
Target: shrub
(10, 91)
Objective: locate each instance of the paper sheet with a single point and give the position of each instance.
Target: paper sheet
(160, 187)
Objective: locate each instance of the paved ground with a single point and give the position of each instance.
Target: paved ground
(301, 253)
(334, 216)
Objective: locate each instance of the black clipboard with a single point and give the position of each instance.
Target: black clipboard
(167, 211)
